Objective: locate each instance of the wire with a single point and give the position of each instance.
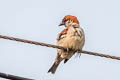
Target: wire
(12, 77)
(58, 47)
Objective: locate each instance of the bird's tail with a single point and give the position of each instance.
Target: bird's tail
(54, 67)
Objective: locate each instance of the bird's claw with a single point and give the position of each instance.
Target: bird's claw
(79, 51)
(68, 49)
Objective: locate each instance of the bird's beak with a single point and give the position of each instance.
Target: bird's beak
(62, 23)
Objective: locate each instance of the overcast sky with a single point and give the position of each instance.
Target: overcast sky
(38, 20)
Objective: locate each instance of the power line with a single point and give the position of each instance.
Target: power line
(12, 77)
(58, 47)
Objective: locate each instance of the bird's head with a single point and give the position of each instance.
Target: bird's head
(68, 20)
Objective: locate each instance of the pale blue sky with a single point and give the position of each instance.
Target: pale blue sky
(38, 20)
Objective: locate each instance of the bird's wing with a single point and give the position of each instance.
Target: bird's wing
(62, 34)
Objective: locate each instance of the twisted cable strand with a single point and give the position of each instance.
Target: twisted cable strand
(101, 55)
(12, 77)
(58, 47)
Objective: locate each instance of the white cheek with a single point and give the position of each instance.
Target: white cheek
(66, 24)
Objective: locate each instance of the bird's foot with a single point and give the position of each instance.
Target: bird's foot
(69, 49)
(79, 51)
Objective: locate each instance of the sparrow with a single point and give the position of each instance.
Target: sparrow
(72, 38)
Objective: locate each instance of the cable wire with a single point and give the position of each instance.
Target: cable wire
(12, 77)
(58, 47)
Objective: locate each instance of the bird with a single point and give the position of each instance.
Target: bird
(72, 38)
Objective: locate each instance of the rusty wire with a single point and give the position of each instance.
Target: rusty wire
(58, 47)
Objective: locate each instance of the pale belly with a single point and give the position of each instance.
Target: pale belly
(70, 42)
(74, 42)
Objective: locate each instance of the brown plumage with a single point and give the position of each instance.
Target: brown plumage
(63, 32)
(73, 18)
(55, 65)
(72, 38)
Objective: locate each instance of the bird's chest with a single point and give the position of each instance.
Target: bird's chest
(73, 32)
(71, 39)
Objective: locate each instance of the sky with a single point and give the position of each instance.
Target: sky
(38, 20)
